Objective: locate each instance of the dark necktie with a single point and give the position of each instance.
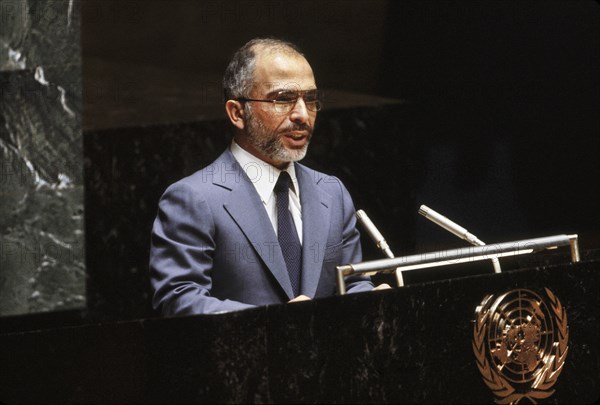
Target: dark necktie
(286, 232)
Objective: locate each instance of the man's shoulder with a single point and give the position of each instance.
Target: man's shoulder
(217, 172)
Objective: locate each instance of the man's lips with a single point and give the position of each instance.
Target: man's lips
(296, 135)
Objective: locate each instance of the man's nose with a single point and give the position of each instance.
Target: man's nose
(299, 112)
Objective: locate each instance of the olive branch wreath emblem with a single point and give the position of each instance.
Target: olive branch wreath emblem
(547, 375)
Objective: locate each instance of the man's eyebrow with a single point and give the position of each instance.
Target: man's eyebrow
(287, 90)
(277, 91)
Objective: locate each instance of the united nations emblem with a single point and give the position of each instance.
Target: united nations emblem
(520, 344)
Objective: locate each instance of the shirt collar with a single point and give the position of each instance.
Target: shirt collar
(262, 174)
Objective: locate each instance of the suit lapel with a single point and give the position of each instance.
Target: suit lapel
(315, 229)
(247, 210)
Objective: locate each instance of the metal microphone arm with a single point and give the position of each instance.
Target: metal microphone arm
(457, 230)
(379, 240)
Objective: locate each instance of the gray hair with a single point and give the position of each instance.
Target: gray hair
(239, 74)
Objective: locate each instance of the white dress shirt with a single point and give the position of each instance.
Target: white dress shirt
(264, 176)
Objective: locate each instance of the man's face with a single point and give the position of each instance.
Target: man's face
(274, 136)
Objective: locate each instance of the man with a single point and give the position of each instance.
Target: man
(255, 228)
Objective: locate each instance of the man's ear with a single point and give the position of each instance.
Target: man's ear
(235, 112)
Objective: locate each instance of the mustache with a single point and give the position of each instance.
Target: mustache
(297, 127)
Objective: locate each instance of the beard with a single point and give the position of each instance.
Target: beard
(270, 142)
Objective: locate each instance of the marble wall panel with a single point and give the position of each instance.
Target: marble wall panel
(41, 170)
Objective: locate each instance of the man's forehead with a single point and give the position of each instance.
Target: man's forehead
(287, 86)
(283, 72)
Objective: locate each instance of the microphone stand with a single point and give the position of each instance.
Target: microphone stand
(455, 256)
(379, 241)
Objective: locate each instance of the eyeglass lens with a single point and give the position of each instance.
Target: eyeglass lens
(286, 100)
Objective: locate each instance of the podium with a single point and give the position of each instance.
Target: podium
(404, 345)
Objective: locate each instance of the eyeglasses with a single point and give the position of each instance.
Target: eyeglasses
(284, 101)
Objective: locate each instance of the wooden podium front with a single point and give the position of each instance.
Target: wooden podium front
(406, 345)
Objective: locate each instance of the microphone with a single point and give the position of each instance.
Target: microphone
(456, 229)
(374, 233)
(450, 226)
(379, 240)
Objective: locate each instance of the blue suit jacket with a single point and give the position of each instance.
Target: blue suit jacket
(214, 248)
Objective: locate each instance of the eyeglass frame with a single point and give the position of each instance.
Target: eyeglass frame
(299, 94)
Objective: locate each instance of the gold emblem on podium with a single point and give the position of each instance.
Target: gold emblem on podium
(520, 341)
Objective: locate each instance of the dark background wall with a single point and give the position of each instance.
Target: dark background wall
(509, 93)
(344, 39)
(497, 129)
